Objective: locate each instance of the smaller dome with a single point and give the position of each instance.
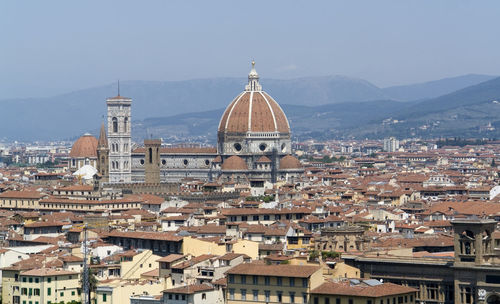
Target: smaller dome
(290, 162)
(264, 159)
(234, 163)
(85, 146)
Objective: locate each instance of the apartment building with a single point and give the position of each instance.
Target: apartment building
(261, 283)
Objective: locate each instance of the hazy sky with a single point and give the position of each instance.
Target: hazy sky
(50, 47)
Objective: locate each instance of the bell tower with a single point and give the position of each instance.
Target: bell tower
(473, 241)
(152, 165)
(119, 139)
(103, 155)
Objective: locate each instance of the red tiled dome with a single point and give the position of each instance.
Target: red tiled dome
(264, 159)
(85, 146)
(234, 163)
(290, 162)
(254, 112)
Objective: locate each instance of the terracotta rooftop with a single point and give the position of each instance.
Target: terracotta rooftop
(85, 146)
(46, 224)
(189, 289)
(362, 290)
(21, 194)
(44, 272)
(234, 163)
(171, 258)
(161, 236)
(253, 112)
(152, 273)
(295, 271)
(290, 162)
(193, 261)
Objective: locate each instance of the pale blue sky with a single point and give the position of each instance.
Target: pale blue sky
(49, 47)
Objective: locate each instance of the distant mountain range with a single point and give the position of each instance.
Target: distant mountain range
(435, 88)
(341, 106)
(465, 113)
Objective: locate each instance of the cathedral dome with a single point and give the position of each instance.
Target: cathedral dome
(253, 111)
(234, 163)
(85, 146)
(290, 162)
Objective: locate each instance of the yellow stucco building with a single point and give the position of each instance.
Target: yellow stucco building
(261, 283)
(40, 286)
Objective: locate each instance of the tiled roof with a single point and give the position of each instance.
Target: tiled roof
(46, 224)
(85, 146)
(44, 272)
(295, 271)
(161, 236)
(193, 261)
(171, 258)
(234, 163)
(290, 162)
(21, 194)
(189, 289)
(254, 112)
(362, 290)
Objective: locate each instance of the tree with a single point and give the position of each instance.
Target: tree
(313, 255)
(329, 255)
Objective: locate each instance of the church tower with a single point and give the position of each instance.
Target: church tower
(103, 155)
(473, 241)
(152, 166)
(119, 139)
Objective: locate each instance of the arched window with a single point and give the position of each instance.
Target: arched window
(467, 240)
(150, 155)
(125, 123)
(115, 124)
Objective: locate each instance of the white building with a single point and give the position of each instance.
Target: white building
(391, 144)
(119, 139)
